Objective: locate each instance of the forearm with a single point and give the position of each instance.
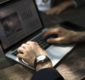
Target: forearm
(66, 4)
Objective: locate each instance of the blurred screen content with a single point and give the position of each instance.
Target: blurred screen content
(11, 24)
(11, 29)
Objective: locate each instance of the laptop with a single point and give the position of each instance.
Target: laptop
(19, 23)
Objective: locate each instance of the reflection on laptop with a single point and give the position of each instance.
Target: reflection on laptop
(22, 23)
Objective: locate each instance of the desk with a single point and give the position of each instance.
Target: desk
(71, 68)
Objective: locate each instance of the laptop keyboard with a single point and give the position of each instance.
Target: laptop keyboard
(41, 41)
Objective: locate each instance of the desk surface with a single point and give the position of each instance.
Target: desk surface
(71, 68)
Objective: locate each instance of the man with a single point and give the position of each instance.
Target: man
(33, 54)
(65, 5)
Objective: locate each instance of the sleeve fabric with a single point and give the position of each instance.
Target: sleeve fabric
(47, 74)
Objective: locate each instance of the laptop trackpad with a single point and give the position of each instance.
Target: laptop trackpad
(56, 53)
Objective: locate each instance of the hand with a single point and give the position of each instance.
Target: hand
(64, 35)
(60, 8)
(29, 51)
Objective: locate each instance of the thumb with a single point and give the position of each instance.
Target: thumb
(19, 55)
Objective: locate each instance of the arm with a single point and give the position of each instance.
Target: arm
(45, 71)
(61, 7)
(64, 35)
(64, 6)
(31, 51)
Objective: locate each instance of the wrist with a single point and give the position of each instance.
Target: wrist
(42, 62)
(80, 37)
(43, 66)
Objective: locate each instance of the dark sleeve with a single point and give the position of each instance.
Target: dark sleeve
(80, 2)
(47, 74)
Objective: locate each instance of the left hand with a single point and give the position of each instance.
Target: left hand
(29, 51)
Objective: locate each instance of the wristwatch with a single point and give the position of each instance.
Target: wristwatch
(41, 59)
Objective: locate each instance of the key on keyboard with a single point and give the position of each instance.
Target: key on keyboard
(41, 41)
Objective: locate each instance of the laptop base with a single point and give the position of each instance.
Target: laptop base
(55, 53)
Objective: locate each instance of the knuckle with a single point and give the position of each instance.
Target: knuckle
(58, 29)
(19, 49)
(31, 43)
(34, 43)
(23, 45)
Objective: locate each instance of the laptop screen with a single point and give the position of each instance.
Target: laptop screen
(18, 20)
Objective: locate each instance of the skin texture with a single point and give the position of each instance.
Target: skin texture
(58, 9)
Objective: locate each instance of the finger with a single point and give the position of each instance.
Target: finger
(34, 46)
(58, 12)
(24, 46)
(32, 43)
(19, 55)
(28, 46)
(28, 42)
(56, 40)
(20, 50)
(51, 11)
(51, 31)
(37, 50)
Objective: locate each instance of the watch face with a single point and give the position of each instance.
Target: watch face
(41, 58)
